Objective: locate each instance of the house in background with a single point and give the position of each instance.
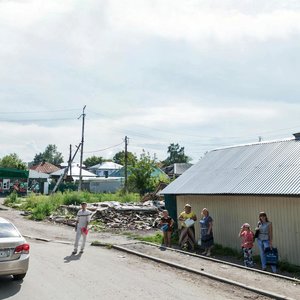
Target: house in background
(13, 180)
(38, 182)
(238, 182)
(45, 167)
(73, 173)
(177, 169)
(157, 172)
(105, 169)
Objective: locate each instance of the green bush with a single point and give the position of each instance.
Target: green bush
(42, 206)
(11, 198)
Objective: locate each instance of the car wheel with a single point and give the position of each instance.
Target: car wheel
(19, 276)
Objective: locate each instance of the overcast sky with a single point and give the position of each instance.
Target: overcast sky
(204, 74)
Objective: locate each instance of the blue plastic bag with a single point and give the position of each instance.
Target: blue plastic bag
(164, 227)
(271, 256)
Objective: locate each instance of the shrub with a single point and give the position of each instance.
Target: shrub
(11, 198)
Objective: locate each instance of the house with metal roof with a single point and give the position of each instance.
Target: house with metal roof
(236, 183)
(105, 169)
(177, 169)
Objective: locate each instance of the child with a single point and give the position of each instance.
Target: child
(166, 224)
(247, 243)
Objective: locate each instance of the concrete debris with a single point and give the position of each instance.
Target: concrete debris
(115, 215)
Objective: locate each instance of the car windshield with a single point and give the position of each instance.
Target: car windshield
(8, 230)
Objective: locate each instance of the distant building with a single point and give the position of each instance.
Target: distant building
(105, 169)
(177, 169)
(45, 167)
(73, 173)
(13, 180)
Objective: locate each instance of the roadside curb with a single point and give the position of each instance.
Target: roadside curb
(198, 272)
(226, 263)
(47, 240)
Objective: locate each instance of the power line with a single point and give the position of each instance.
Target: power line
(35, 120)
(104, 148)
(38, 111)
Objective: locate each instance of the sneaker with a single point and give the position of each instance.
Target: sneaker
(208, 254)
(204, 253)
(74, 252)
(81, 251)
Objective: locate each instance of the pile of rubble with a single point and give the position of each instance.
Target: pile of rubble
(125, 216)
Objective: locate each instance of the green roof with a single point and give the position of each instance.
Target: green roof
(13, 173)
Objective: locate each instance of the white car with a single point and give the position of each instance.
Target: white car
(14, 251)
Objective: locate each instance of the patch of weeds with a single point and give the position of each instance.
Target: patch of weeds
(131, 234)
(175, 238)
(97, 226)
(226, 251)
(287, 267)
(155, 239)
(11, 199)
(100, 244)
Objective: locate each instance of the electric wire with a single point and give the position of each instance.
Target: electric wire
(104, 148)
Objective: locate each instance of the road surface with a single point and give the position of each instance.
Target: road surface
(100, 273)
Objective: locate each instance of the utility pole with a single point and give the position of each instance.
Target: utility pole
(64, 174)
(126, 164)
(81, 152)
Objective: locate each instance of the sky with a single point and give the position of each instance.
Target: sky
(203, 74)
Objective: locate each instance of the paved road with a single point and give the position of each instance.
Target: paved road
(102, 273)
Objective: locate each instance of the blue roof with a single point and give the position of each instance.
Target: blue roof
(270, 168)
(121, 173)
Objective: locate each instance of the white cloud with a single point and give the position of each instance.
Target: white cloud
(197, 22)
(157, 71)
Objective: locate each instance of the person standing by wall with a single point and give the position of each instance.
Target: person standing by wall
(187, 232)
(207, 238)
(247, 244)
(265, 239)
(166, 223)
(81, 227)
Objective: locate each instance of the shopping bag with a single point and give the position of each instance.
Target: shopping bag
(189, 222)
(271, 256)
(164, 227)
(84, 230)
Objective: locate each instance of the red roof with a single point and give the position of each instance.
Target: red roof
(45, 167)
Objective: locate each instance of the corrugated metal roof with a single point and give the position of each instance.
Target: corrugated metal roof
(107, 165)
(267, 168)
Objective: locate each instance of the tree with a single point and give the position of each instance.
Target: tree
(176, 155)
(12, 161)
(93, 160)
(119, 158)
(139, 179)
(50, 155)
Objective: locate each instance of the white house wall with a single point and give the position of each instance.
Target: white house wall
(230, 212)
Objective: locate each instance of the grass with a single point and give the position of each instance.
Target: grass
(283, 266)
(42, 206)
(156, 238)
(287, 267)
